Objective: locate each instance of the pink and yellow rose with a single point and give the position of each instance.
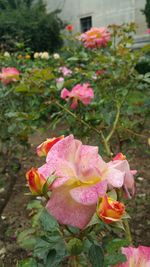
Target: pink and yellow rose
(82, 178)
(95, 37)
(136, 257)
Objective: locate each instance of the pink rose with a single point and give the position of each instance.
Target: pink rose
(136, 257)
(79, 92)
(95, 37)
(9, 75)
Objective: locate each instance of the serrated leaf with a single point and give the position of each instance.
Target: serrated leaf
(95, 220)
(53, 259)
(96, 256)
(116, 244)
(26, 239)
(114, 259)
(47, 221)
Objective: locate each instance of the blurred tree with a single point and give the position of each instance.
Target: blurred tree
(146, 12)
(27, 22)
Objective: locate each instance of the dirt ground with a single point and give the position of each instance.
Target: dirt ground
(15, 215)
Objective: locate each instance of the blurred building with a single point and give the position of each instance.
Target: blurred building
(84, 14)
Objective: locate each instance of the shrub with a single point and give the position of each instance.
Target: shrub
(27, 24)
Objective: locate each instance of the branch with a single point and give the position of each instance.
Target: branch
(114, 124)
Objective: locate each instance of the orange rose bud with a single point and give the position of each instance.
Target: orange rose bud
(119, 156)
(110, 210)
(36, 181)
(69, 28)
(43, 149)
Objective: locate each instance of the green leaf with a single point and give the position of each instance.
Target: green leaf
(112, 194)
(75, 246)
(53, 259)
(96, 256)
(95, 220)
(35, 204)
(26, 239)
(28, 263)
(116, 244)
(114, 259)
(47, 221)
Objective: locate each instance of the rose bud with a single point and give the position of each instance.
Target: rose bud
(110, 210)
(43, 149)
(36, 181)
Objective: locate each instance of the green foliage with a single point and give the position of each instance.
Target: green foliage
(96, 256)
(56, 245)
(27, 24)
(146, 12)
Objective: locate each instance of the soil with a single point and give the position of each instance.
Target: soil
(16, 217)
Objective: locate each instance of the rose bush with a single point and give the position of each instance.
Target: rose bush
(83, 194)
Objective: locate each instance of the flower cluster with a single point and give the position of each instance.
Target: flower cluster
(95, 38)
(42, 55)
(82, 180)
(80, 92)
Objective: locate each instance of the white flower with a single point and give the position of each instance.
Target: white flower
(6, 54)
(56, 56)
(45, 55)
(36, 55)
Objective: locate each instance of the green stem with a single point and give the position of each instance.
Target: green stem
(127, 230)
(90, 127)
(114, 124)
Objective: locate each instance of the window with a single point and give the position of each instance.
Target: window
(86, 23)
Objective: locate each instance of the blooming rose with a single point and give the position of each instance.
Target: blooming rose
(56, 56)
(9, 75)
(84, 93)
(65, 71)
(95, 37)
(110, 210)
(120, 163)
(136, 257)
(81, 179)
(44, 55)
(36, 55)
(36, 181)
(69, 28)
(45, 147)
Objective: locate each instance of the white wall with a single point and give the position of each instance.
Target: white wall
(103, 12)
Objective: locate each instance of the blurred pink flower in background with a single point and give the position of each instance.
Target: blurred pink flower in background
(136, 257)
(60, 82)
(95, 37)
(65, 71)
(81, 179)
(9, 75)
(148, 31)
(84, 93)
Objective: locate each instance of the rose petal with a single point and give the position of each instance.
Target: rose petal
(67, 211)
